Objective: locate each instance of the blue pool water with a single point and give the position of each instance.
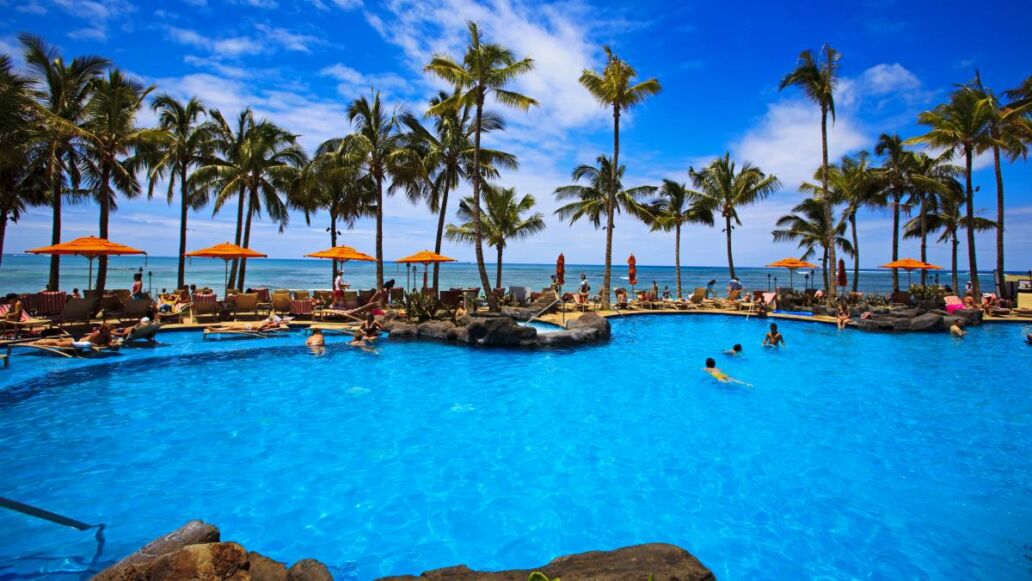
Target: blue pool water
(854, 455)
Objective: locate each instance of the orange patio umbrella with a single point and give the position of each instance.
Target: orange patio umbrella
(425, 257)
(791, 264)
(90, 247)
(226, 252)
(909, 265)
(632, 272)
(560, 269)
(343, 254)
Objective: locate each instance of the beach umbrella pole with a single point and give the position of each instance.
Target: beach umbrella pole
(225, 278)
(89, 278)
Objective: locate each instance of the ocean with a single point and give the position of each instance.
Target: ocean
(28, 273)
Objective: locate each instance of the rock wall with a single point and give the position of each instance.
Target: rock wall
(915, 319)
(195, 551)
(504, 331)
(664, 562)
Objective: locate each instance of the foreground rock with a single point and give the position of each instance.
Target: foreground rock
(664, 562)
(915, 319)
(195, 551)
(504, 331)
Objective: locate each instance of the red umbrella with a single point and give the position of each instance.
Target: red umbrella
(632, 270)
(560, 270)
(842, 280)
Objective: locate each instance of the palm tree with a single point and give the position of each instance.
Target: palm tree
(896, 169)
(380, 145)
(486, 69)
(612, 88)
(503, 220)
(807, 226)
(591, 202)
(856, 185)
(110, 141)
(21, 183)
(721, 188)
(448, 157)
(961, 125)
(228, 143)
(817, 77)
(186, 144)
(333, 181)
(946, 216)
(929, 178)
(1009, 130)
(265, 170)
(62, 90)
(676, 206)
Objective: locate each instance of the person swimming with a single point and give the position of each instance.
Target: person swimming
(711, 368)
(316, 339)
(957, 329)
(773, 338)
(370, 328)
(736, 350)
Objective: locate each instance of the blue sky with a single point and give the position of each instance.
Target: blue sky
(300, 63)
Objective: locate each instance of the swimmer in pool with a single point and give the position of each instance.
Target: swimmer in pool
(711, 368)
(736, 350)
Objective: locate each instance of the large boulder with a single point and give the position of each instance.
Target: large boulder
(499, 331)
(592, 321)
(662, 561)
(211, 561)
(970, 316)
(926, 322)
(263, 568)
(195, 532)
(400, 329)
(436, 330)
(309, 570)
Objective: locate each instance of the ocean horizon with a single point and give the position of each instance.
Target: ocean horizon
(28, 273)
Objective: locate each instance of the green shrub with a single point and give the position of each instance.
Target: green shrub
(421, 307)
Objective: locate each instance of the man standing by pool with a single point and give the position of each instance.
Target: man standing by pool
(773, 338)
(584, 287)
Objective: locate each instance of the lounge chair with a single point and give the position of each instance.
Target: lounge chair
(245, 331)
(621, 299)
(111, 307)
(953, 303)
(142, 333)
(135, 310)
(205, 309)
(281, 302)
(76, 312)
(26, 324)
(350, 314)
(900, 298)
(581, 303)
(300, 295)
(991, 306)
(728, 302)
(323, 298)
(245, 304)
(451, 299)
(520, 294)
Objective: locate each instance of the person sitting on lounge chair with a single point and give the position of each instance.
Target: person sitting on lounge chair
(143, 330)
(14, 313)
(621, 298)
(99, 337)
(272, 323)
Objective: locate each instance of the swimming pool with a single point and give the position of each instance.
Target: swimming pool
(854, 454)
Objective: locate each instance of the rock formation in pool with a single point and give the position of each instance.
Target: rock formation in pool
(502, 330)
(196, 551)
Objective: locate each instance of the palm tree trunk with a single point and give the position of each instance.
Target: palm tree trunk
(956, 279)
(999, 221)
(105, 213)
(607, 272)
(239, 231)
(970, 211)
(333, 244)
(54, 281)
(896, 198)
(677, 256)
(856, 254)
(730, 259)
(379, 231)
(824, 270)
(181, 278)
(440, 233)
(478, 235)
(246, 240)
(498, 276)
(3, 233)
(830, 243)
(924, 238)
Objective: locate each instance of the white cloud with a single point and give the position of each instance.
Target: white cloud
(352, 83)
(97, 13)
(265, 39)
(787, 141)
(889, 78)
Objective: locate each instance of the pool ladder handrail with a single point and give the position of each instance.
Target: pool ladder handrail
(550, 305)
(58, 519)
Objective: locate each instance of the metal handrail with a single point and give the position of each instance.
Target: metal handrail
(58, 519)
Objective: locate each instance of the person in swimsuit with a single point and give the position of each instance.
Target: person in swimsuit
(358, 339)
(370, 329)
(736, 350)
(137, 289)
(773, 338)
(843, 318)
(14, 313)
(957, 329)
(711, 368)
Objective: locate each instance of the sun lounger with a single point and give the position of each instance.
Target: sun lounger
(76, 312)
(281, 302)
(352, 314)
(245, 304)
(254, 331)
(953, 304)
(142, 333)
(205, 309)
(135, 310)
(25, 324)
